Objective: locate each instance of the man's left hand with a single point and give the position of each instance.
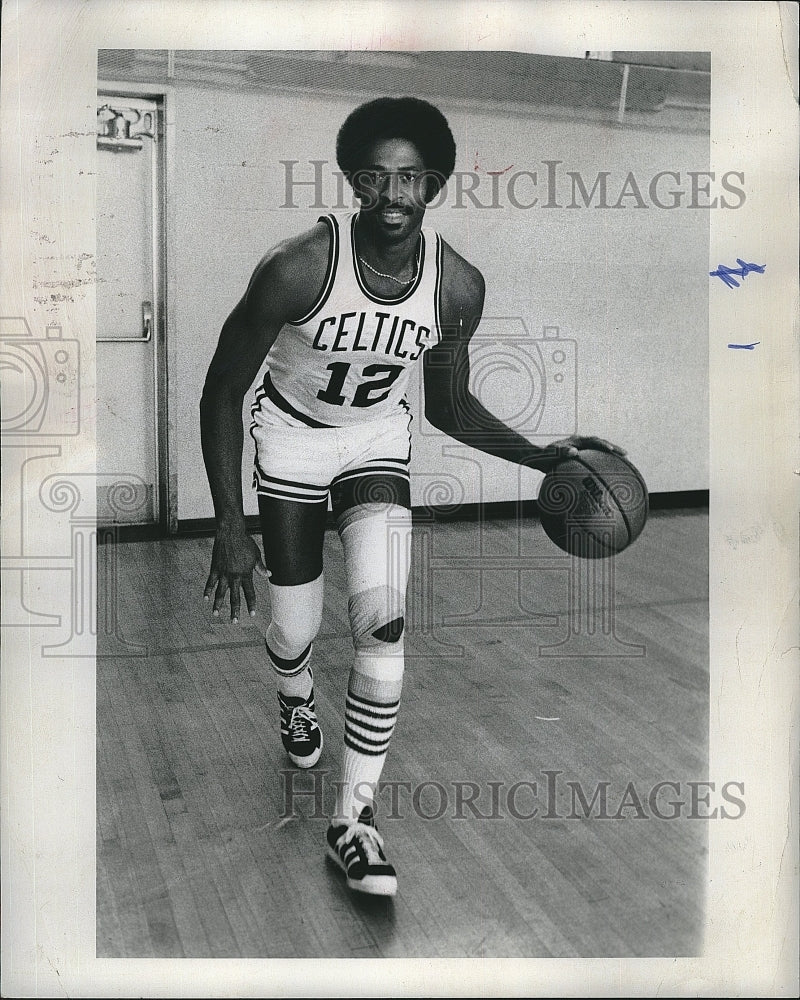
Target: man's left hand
(570, 446)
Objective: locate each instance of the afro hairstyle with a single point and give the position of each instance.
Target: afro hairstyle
(409, 118)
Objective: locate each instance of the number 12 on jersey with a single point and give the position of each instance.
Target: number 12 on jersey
(374, 379)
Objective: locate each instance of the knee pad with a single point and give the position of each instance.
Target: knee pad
(377, 547)
(376, 617)
(296, 617)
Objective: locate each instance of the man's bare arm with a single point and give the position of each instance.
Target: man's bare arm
(283, 286)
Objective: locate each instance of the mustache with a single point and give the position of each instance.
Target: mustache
(393, 206)
(374, 202)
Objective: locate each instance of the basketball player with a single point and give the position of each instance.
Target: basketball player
(342, 313)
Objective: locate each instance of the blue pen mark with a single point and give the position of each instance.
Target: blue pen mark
(729, 274)
(744, 347)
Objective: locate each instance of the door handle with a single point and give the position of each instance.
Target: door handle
(147, 329)
(147, 320)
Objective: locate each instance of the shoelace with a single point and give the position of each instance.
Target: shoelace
(368, 836)
(301, 721)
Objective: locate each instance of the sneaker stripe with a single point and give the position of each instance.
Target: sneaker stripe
(300, 732)
(359, 853)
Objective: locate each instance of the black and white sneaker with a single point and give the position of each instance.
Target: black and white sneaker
(300, 732)
(358, 850)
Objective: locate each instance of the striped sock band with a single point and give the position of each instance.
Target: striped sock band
(288, 667)
(294, 675)
(369, 720)
(369, 724)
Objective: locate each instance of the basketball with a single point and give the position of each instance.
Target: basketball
(593, 505)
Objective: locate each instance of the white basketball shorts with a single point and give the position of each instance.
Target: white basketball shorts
(303, 463)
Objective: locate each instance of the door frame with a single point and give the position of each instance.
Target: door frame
(165, 352)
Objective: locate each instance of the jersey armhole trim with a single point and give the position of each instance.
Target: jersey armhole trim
(437, 292)
(330, 274)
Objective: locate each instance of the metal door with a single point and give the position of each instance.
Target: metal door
(129, 311)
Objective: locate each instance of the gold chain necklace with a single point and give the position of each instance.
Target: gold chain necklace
(391, 277)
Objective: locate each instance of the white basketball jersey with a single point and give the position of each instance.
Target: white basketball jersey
(348, 360)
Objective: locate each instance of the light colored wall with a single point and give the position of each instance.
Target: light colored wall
(628, 285)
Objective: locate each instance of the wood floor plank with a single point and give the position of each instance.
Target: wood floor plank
(196, 856)
(131, 861)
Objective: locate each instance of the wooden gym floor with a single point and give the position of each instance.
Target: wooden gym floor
(198, 854)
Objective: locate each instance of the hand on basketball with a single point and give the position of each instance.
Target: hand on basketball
(233, 560)
(570, 446)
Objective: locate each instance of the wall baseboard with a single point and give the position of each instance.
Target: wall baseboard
(199, 527)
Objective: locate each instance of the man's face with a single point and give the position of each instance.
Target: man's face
(391, 187)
